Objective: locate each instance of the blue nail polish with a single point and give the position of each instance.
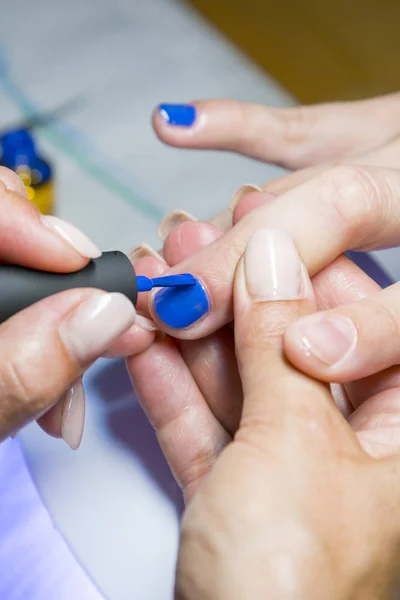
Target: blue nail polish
(183, 115)
(180, 307)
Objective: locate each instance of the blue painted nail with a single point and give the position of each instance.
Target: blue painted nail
(180, 307)
(183, 115)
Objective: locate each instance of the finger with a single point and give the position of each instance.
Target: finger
(377, 423)
(212, 363)
(385, 156)
(349, 342)
(189, 434)
(211, 360)
(221, 221)
(47, 347)
(345, 208)
(66, 418)
(183, 234)
(292, 137)
(187, 238)
(134, 341)
(34, 240)
(271, 290)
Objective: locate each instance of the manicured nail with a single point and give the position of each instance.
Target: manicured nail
(73, 415)
(242, 192)
(328, 339)
(174, 218)
(94, 325)
(145, 323)
(144, 250)
(180, 307)
(273, 268)
(183, 115)
(71, 234)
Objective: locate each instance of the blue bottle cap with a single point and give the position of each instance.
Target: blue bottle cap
(17, 148)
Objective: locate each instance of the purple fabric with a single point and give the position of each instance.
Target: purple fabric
(368, 264)
(35, 562)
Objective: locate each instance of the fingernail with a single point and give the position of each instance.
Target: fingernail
(71, 234)
(273, 268)
(73, 415)
(145, 323)
(94, 325)
(144, 250)
(330, 340)
(242, 192)
(174, 218)
(180, 307)
(183, 115)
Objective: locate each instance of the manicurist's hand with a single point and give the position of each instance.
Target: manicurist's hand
(293, 507)
(45, 349)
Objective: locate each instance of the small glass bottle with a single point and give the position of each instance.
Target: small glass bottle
(18, 152)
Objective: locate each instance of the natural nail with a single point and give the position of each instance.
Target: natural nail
(180, 307)
(73, 415)
(183, 115)
(145, 323)
(328, 339)
(144, 250)
(273, 268)
(71, 234)
(94, 325)
(174, 218)
(242, 192)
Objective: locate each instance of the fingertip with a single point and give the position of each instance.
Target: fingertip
(136, 340)
(248, 201)
(323, 346)
(176, 124)
(187, 238)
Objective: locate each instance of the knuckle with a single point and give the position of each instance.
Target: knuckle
(297, 123)
(352, 197)
(19, 396)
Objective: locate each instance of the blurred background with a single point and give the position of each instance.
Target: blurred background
(81, 78)
(320, 50)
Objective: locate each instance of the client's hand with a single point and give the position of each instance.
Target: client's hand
(211, 386)
(293, 507)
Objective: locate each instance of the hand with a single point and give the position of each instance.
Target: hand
(215, 395)
(293, 507)
(46, 348)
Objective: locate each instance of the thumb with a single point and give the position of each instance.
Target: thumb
(271, 290)
(46, 348)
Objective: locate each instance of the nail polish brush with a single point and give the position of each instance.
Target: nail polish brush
(112, 272)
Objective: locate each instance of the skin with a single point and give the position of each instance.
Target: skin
(36, 367)
(345, 197)
(193, 451)
(312, 516)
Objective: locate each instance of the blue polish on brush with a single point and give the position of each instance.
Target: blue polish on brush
(145, 284)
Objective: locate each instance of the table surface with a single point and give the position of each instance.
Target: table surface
(115, 502)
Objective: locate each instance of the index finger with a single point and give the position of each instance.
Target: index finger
(343, 208)
(38, 241)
